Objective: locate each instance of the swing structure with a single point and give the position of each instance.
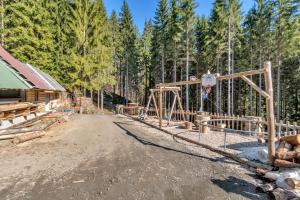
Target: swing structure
(267, 93)
(160, 91)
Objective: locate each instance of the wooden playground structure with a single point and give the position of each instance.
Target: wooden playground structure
(228, 130)
(267, 93)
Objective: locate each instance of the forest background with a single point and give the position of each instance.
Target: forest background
(87, 50)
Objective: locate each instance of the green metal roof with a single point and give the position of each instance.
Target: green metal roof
(10, 79)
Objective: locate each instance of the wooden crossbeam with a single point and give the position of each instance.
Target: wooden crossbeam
(254, 86)
(165, 89)
(178, 83)
(240, 74)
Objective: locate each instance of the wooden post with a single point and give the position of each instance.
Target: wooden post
(295, 129)
(155, 105)
(270, 111)
(180, 106)
(279, 129)
(172, 108)
(201, 99)
(160, 107)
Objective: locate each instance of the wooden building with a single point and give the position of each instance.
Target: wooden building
(25, 90)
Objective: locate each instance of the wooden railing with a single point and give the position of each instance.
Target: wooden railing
(246, 123)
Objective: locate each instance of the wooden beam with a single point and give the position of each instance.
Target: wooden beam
(218, 77)
(270, 111)
(160, 107)
(155, 104)
(178, 83)
(165, 89)
(239, 74)
(172, 108)
(148, 104)
(180, 105)
(254, 86)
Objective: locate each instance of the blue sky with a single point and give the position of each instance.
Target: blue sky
(145, 9)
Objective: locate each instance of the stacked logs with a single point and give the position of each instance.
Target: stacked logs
(288, 152)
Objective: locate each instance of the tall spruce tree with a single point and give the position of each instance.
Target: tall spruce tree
(116, 49)
(217, 43)
(285, 28)
(160, 29)
(144, 61)
(174, 35)
(128, 42)
(202, 53)
(188, 21)
(27, 34)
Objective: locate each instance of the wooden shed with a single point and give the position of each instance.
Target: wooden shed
(41, 88)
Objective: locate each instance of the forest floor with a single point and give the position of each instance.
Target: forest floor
(109, 157)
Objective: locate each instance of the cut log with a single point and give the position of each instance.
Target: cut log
(285, 164)
(297, 148)
(282, 149)
(261, 140)
(204, 128)
(188, 125)
(265, 187)
(295, 184)
(292, 139)
(287, 155)
(261, 172)
(281, 194)
(27, 137)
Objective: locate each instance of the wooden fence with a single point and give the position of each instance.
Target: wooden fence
(245, 123)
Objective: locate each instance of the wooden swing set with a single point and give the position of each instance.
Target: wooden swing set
(267, 93)
(160, 91)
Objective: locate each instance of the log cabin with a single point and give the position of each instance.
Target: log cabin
(26, 91)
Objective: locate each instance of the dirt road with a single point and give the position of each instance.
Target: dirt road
(112, 158)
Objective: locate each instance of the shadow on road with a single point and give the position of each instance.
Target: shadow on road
(235, 185)
(147, 142)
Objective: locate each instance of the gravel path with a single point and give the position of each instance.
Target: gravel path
(108, 157)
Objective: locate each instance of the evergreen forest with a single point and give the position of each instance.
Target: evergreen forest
(87, 49)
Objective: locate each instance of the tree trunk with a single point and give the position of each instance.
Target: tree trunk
(251, 90)
(229, 63)
(278, 92)
(102, 99)
(98, 98)
(2, 22)
(260, 81)
(187, 72)
(126, 82)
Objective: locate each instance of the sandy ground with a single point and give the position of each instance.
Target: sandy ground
(235, 143)
(109, 157)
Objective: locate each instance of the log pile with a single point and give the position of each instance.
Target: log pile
(280, 185)
(285, 183)
(288, 152)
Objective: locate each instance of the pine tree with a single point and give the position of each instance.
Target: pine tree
(285, 21)
(217, 43)
(144, 60)
(128, 42)
(28, 34)
(160, 29)
(234, 34)
(188, 20)
(62, 17)
(116, 48)
(174, 34)
(202, 53)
